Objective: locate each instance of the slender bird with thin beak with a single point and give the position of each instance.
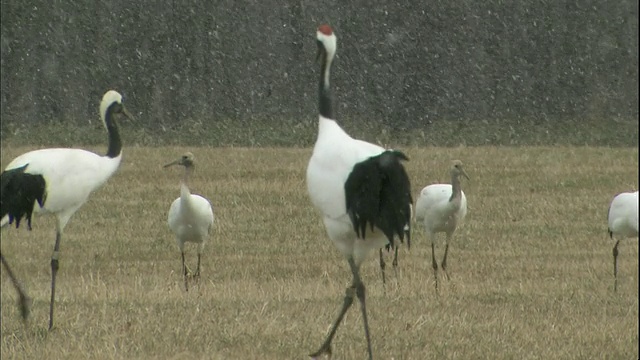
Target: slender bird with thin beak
(190, 217)
(441, 208)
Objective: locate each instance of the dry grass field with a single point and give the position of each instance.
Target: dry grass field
(531, 267)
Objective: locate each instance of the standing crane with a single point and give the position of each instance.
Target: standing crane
(623, 223)
(57, 181)
(440, 208)
(361, 190)
(190, 216)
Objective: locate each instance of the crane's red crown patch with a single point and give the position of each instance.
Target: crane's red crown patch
(325, 29)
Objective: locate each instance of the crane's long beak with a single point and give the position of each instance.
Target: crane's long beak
(464, 173)
(127, 114)
(174, 162)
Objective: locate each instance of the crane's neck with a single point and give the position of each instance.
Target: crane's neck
(115, 143)
(185, 194)
(456, 189)
(325, 105)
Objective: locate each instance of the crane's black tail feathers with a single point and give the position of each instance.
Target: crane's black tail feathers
(378, 193)
(19, 192)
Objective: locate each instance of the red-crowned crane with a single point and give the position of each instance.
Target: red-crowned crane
(440, 208)
(361, 190)
(623, 223)
(190, 216)
(57, 181)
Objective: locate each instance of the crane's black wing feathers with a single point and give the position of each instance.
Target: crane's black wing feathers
(378, 194)
(19, 191)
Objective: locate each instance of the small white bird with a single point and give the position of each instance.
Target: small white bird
(59, 182)
(362, 191)
(190, 216)
(623, 223)
(440, 208)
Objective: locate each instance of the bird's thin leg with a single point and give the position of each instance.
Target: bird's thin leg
(200, 249)
(434, 263)
(395, 263)
(325, 348)
(615, 266)
(55, 265)
(360, 293)
(443, 264)
(382, 266)
(185, 272)
(25, 301)
(197, 274)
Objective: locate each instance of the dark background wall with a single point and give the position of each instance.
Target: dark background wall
(404, 65)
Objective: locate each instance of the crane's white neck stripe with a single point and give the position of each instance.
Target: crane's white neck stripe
(330, 44)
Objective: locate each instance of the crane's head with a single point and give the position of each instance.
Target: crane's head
(457, 169)
(326, 42)
(112, 103)
(185, 160)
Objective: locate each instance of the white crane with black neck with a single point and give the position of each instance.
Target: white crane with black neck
(623, 223)
(361, 190)
(190, 217)
(57, 181)
(441, 208)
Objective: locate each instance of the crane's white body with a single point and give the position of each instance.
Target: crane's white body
(191, 219)
(361, 190)
(334, 156)
(58, 181)
(623, 223)
(623, 215)
(441, 208)
(71, 175)
(436, 213)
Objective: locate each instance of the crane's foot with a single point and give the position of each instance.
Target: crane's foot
(446, 274)
(187, 271)
(324, 350)
(194, 276)
(186, 276)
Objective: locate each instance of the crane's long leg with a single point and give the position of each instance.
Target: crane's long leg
(382, 267)
(55, 265)
(443, 264)
(395, 263)
(360, 293)
(200, 248)
(434, 263)
(25, 301)
(185, 272)
(197, 274)
(615, 266)
(407, 235)
(357, 288)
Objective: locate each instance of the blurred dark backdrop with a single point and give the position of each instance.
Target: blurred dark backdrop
(403, 65)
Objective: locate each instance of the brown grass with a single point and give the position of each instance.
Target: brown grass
(531, 267)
